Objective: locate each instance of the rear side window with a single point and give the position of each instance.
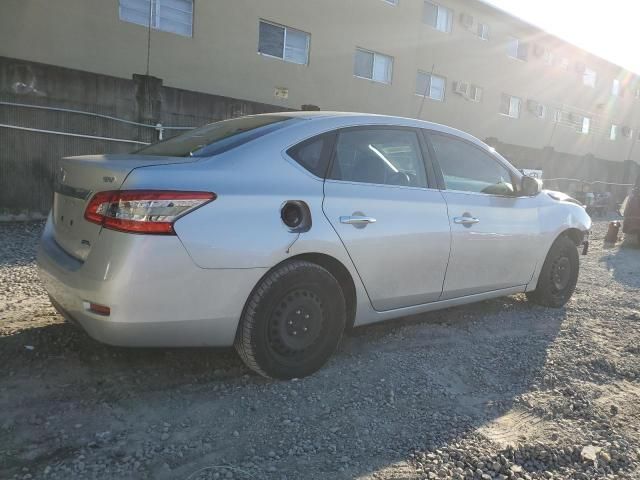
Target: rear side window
(469, 169)
(218, 137)
(380, 156)
(313, 154)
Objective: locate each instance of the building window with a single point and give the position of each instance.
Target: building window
(557, 116)
(475, 93)
(510, 106)
(175, 16)
(283, 42)
(373, 66)
(437, 16)
(536, 108)
(548, 57)
(483, 31)
(431, 86)
(391, 2)
(586, 125)
(517, 49)
(638, 92)
(613, 133)
(563, 63)
(616, 90)
(589, 77)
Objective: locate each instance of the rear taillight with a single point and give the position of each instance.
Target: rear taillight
(143, 211)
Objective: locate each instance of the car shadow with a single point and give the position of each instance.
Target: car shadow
(619, 260)
(391, 389)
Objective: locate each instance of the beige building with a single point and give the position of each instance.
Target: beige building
(458, 62)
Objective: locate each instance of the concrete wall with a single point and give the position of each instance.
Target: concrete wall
(27, 158)
(221, 59)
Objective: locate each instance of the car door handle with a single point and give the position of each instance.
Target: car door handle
(465, 220)
(357, 220)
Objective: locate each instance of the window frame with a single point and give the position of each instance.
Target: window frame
(484, 33)
(284, 42)
(508, 115)
(477, 98)
(430, 76)
(373, 65)
(591, 74)
(438, 8)
(423, 150)
(519, 44)
(613, 132)
(513, 173)
(156, 18)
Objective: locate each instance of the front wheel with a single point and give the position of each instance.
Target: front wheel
(558, 276)
(293, 321)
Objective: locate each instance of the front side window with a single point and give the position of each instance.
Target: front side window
(467, 168)
(437, 16)
(589, 77)
(372, 65)
(431, 86)
(510, 106)
(289, 44)
(175, 16)
(379, 156)
(517, 49)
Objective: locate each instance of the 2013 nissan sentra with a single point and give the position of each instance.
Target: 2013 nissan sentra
(276, 232)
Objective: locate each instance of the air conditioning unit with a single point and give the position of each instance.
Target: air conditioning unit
(626, 132)
(461, 88)
(466, 20)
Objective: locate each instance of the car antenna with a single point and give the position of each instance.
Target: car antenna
(424, 95)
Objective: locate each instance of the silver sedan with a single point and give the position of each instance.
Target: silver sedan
(277, 232)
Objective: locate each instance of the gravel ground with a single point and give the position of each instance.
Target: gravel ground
(500, 389)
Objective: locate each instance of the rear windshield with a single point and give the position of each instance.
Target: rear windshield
(218, 137)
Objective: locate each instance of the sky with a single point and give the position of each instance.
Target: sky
(608, 29)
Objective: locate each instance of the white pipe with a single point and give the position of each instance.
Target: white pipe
(100, 115)
(92, 137)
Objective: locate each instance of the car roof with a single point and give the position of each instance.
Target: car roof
(356, 118)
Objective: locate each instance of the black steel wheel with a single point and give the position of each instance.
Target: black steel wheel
(293, 321)
(559, 274)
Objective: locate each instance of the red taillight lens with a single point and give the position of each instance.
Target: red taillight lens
(143, 211)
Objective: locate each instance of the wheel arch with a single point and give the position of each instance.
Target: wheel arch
(336, 268)
(576, 235)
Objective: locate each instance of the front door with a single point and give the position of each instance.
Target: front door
(493, 232)
(393, 226)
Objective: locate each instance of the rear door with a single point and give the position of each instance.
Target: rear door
(393, 225)
(493, 231)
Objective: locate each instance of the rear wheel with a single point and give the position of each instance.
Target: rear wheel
(293, 321)
(558, 276)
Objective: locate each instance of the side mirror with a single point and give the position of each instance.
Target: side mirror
(529, 186)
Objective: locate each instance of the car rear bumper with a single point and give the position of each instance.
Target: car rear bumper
(157, 295)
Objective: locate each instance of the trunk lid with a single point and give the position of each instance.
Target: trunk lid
(77, 179)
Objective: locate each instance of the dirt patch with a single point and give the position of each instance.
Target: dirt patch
(499, 389)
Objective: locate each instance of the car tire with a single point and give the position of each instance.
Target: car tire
(559, 275)
(293, 321)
